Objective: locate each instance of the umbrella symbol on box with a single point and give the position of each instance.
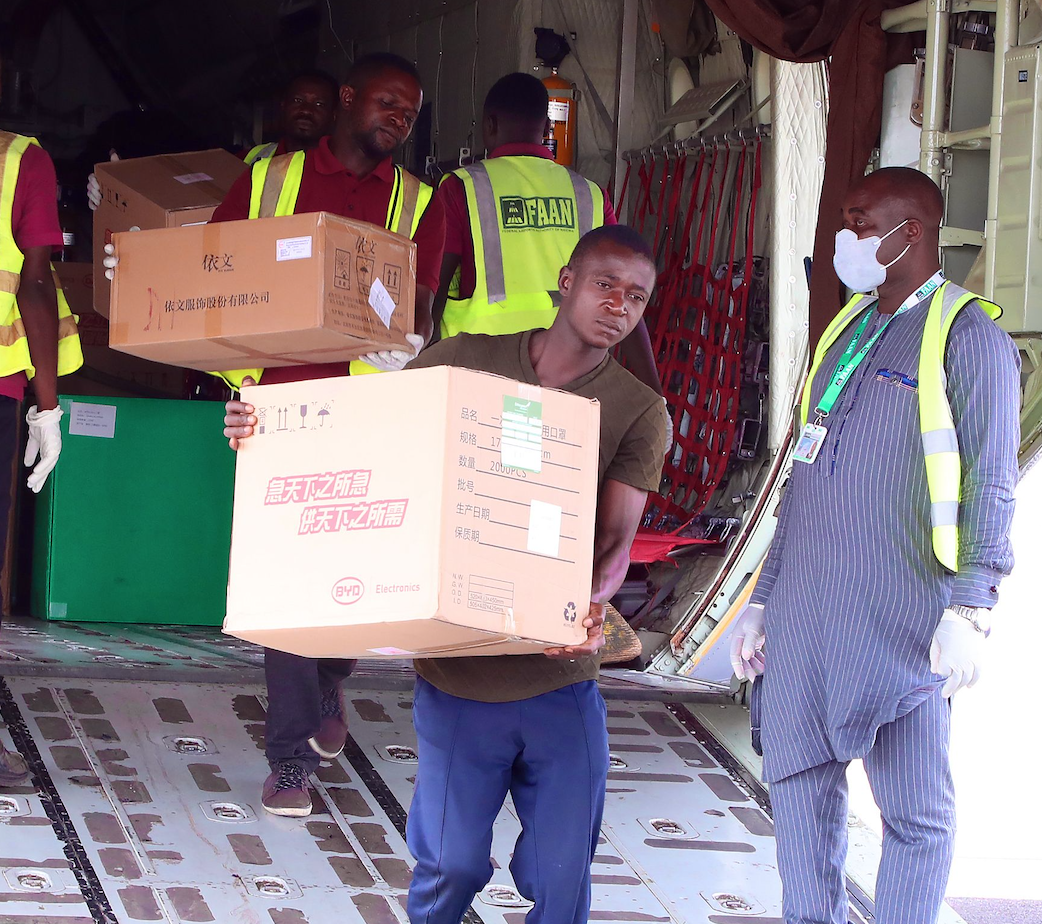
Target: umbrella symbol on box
(323, 413)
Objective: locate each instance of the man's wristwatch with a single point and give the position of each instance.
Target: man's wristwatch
(976, 616)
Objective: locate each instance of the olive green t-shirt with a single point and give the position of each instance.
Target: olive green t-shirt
(632, 446)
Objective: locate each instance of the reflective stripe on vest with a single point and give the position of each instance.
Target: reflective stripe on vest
(274, 187)
(526, 216)
(259, 152)
(936, 425)
(14, 346)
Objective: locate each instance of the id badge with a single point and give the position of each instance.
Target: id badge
(812, 437)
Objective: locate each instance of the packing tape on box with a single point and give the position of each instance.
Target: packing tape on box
(248, 353)
(119, 333)
(213, 321)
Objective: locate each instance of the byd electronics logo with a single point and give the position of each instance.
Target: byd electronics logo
(348, 590)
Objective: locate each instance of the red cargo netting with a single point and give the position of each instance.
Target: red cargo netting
(697, 322)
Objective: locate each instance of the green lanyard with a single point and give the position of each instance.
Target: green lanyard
(849, 361)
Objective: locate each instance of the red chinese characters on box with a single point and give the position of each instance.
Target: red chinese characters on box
(418, 513)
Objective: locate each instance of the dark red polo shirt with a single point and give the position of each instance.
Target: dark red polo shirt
(34, 223)
(453, 198)
(328, 186)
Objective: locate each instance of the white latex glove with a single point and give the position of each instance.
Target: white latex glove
(110, 260)
(747, 640)
(93, 192)
(392, 360)
(669, 427)
(94, 187)
(45, 441)
(956, 653)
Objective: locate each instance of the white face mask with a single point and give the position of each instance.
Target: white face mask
(855, 259)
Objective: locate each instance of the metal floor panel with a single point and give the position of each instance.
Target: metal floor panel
(162, 785)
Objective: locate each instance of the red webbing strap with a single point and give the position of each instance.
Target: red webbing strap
(678, 279)
(663, 188)
(672, 211)
(639, 207)
(699, 338)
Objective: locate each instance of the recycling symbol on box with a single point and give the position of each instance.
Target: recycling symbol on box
(569, 612)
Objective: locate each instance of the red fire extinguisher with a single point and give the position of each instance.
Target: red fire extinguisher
(560, 136)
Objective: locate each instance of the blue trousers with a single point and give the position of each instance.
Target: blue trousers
(550, 753)
(907, 768)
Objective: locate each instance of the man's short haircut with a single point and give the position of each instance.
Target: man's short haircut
(316, 76)
(518, 97)
(620, 235)
(370, 66)
(919, 195)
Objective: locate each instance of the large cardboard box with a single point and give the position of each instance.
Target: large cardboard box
(106, 372)
(133, 524)
(165, 191)
(427, 512)
(310, 288)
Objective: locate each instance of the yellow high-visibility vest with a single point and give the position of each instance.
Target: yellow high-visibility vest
(275, 185)
(526, 216)
(259, 152)
(14, 346)
(940, 441)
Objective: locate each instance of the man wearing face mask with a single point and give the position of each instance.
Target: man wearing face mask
(890, 545)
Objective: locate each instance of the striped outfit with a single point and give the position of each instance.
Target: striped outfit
(853, 594)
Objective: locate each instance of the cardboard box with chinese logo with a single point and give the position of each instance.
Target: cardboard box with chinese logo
(106, 372)
(300, 289)
(429, 512)
(165, 191)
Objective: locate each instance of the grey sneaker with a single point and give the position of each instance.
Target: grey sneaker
(286, 791)
(13, 768)
(332, 732)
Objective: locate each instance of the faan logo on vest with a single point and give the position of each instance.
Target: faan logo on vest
(536, 213)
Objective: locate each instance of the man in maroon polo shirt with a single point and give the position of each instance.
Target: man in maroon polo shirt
(307, 113)
(36, 233)
(308, 110)
(349, 173)
(514, 120)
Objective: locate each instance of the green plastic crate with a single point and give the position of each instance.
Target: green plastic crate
(136, 528)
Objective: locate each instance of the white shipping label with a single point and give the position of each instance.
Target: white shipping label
(381, 302)
(391, 652)
(557, 111)
(544, 528)
(293, 248)
(189, 178)
(92, 420)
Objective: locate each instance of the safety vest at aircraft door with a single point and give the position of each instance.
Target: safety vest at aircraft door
(14, 347)
(940, 442)
(275, 185)
(526, 216)
(259, 152)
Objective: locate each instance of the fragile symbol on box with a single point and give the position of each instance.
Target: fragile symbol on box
(364, 267)
(342, 269)
(392, 280)
(289, 418)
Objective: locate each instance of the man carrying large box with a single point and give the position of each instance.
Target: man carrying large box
(350, 173)
(534, 726)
